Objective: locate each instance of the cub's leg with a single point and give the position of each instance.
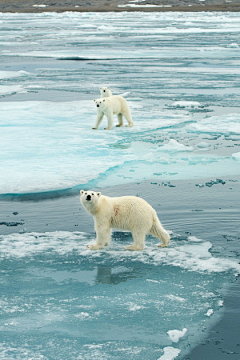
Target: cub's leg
(120, 120)
(99, 119)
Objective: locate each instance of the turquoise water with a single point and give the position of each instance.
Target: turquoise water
(60, 300)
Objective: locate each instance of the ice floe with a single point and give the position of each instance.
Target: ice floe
(176, 335)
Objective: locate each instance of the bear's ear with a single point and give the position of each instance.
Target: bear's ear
(81, 192)
(99, 194)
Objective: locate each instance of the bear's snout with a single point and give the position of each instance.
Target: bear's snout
(88, 198)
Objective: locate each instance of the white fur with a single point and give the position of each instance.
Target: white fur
(126, 213)
(108, 106)
(105, 92)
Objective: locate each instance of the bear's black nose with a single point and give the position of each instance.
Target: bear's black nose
(88, 197)
(97, 105)
(104, 90)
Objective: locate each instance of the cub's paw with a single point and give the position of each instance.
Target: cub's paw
(94, 128)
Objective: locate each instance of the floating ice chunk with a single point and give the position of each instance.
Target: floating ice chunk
(143, 6)
(236, 156)
(174, 145)
(135, 307)
(170, 353)
(209, 312)
(186, 104)
(11, 89)
(175, 335)
(220, 124)
(12, 74)
(40, 5)
(203, 145)
(233, 45)
(82, 315)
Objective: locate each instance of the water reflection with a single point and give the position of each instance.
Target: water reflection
(116, 275)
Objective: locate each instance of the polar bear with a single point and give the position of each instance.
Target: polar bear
(105, 92)
(125, 213)
(108, 106)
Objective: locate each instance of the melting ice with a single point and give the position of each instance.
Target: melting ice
(179, 74)
(110, 303)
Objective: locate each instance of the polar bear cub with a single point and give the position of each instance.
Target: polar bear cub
(108, 106)
(127, 213)
(105, 92)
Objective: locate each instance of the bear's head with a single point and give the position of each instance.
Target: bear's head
(89, 199)
(100, 103)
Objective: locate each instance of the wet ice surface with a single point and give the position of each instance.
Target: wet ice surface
(67, 301)
(180, 72)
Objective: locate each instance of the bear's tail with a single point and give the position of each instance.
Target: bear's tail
(159, 232)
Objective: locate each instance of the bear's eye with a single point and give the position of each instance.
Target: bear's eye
(92, 194)
(85, 193)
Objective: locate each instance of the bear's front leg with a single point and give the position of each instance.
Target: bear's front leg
(99, 119)
(110, 120)
(103, 238)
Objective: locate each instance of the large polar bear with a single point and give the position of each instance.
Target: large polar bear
(105, 92)
(110, 105)
(126, 213)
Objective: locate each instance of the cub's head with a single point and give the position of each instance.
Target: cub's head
(105, 92)
(89, 198)
(99, 103)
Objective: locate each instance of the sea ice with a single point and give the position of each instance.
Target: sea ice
(236, 156)
(175, 335)
(174, 145)
(170, 353)
(47, 112)
(186, 104)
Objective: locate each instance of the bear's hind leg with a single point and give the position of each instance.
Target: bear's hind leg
(129, 119)
(138, 241)
(120, 120)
